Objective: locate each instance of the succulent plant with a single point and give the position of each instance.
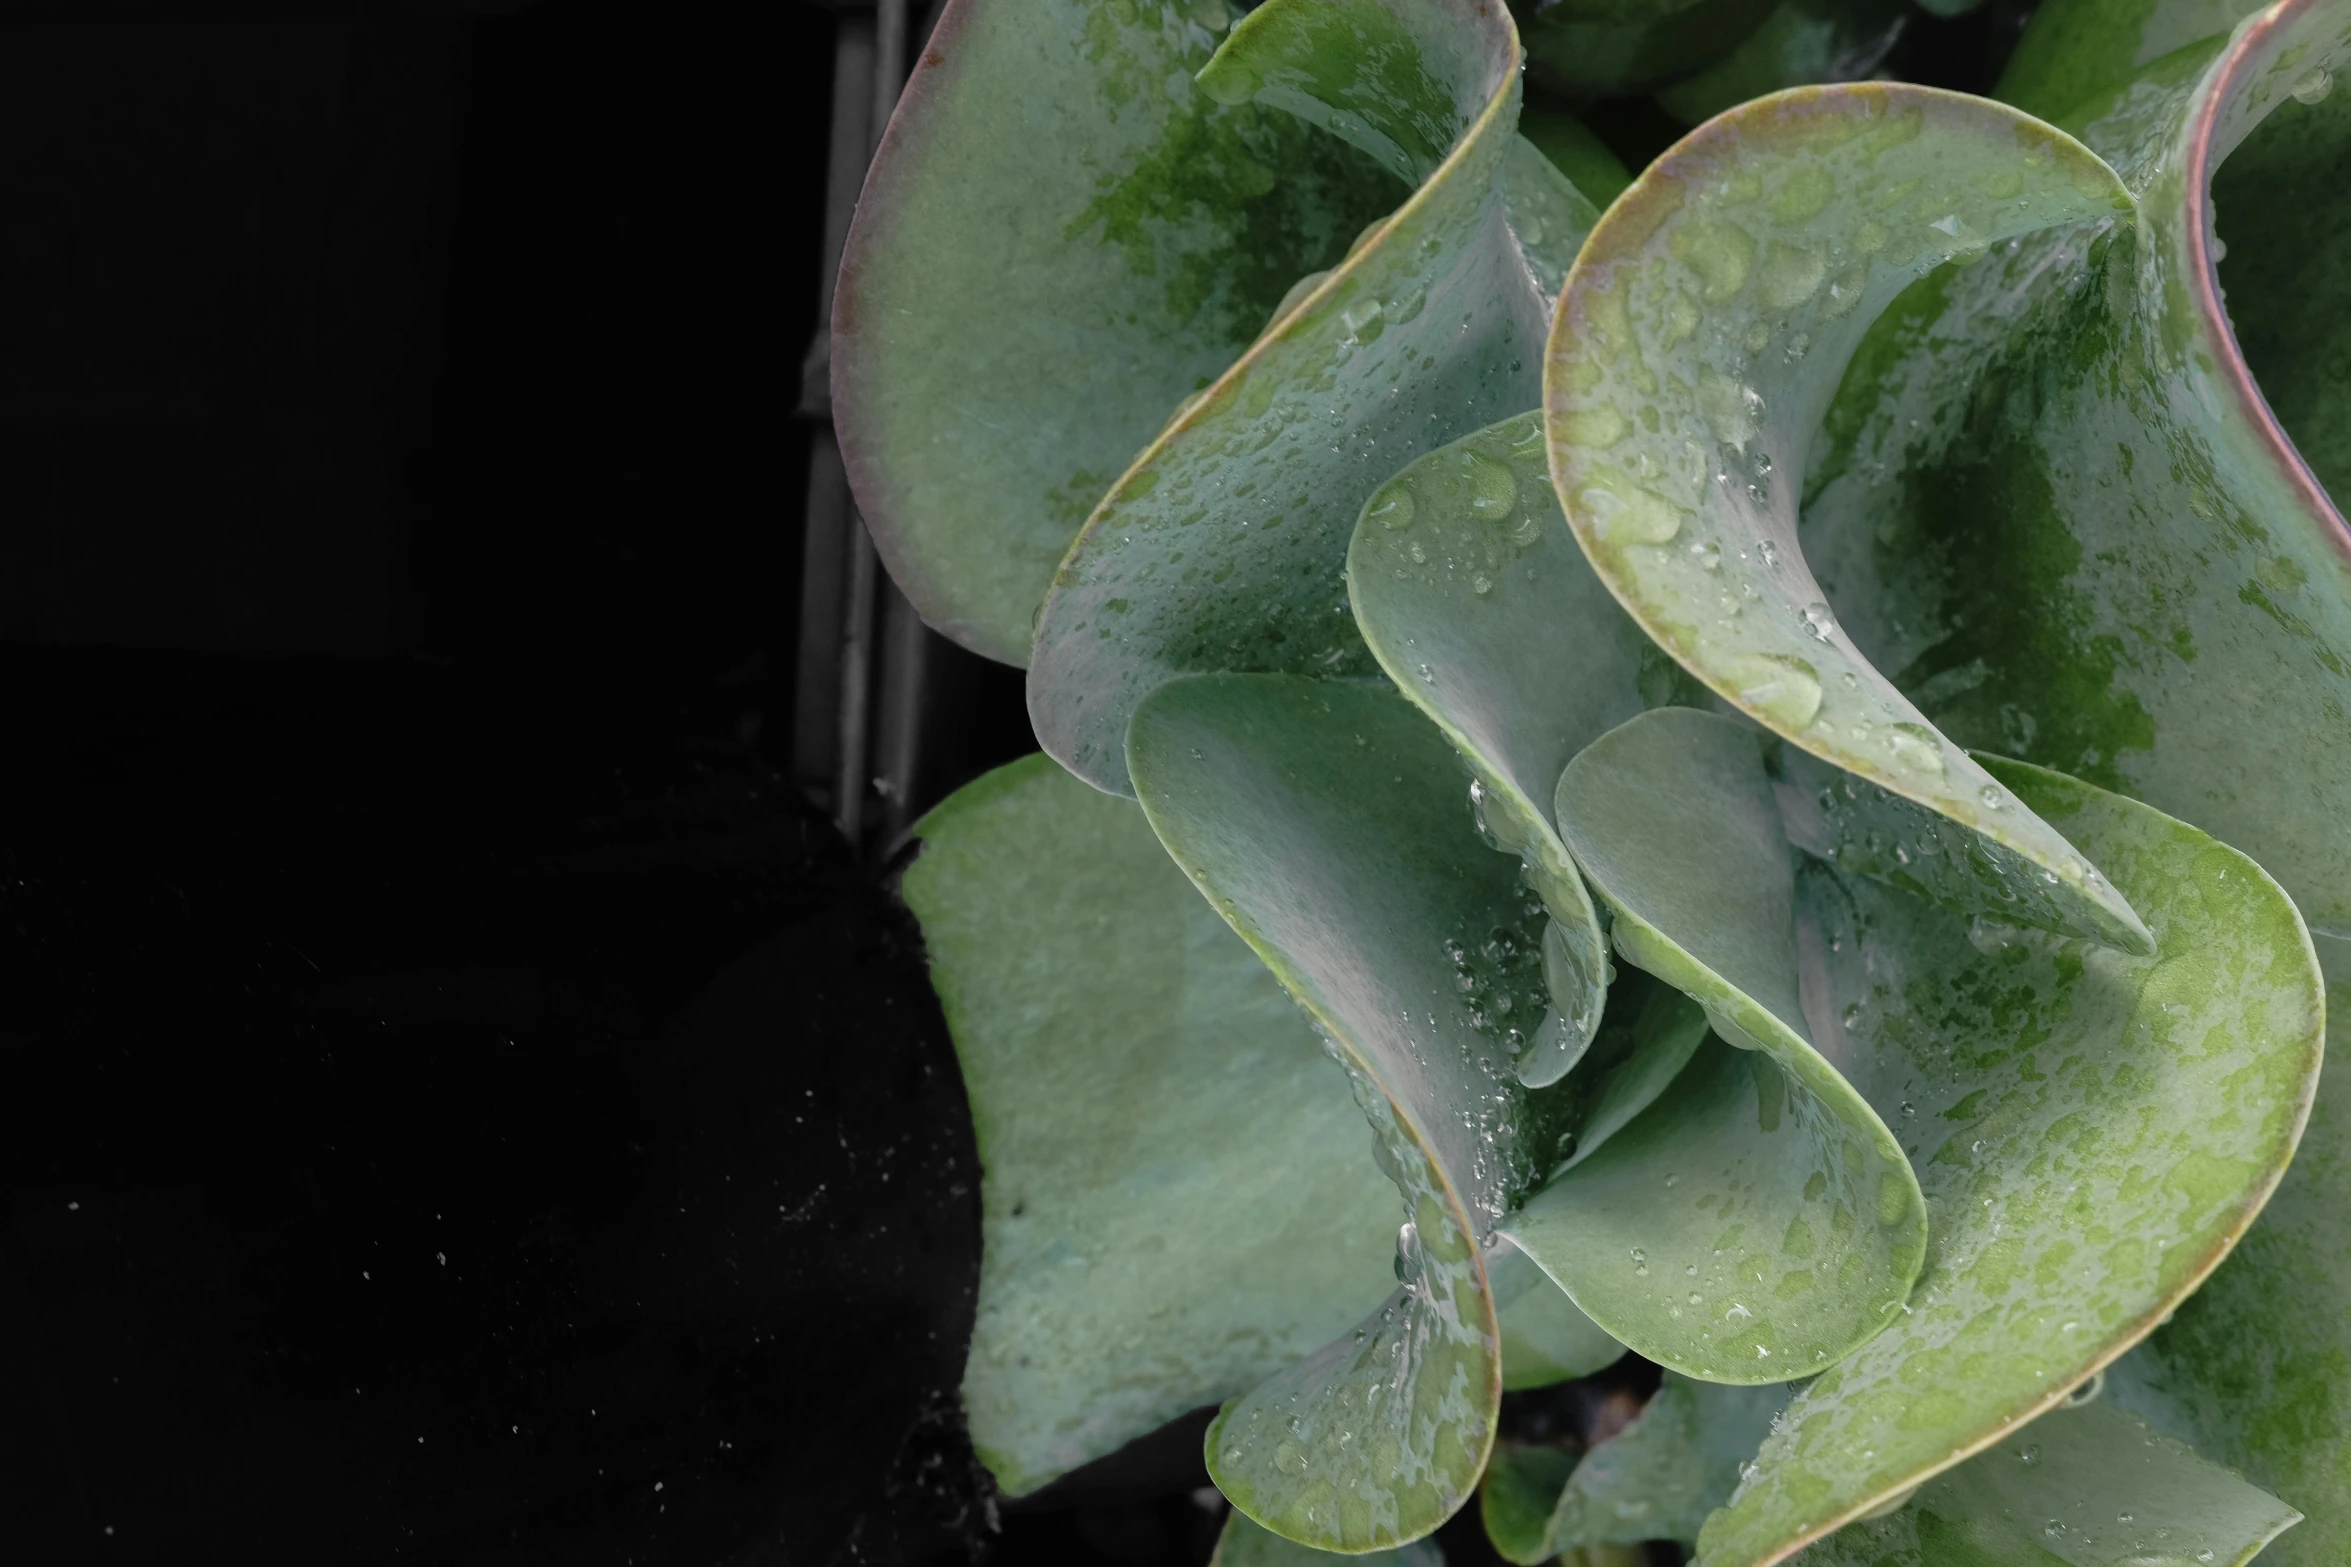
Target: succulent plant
(1779, 723)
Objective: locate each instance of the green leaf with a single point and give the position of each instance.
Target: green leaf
(2093, 1131)
(1222, 546)
(2087, 1487)
(1545, 1338)
(2056, 506)
(1802, 42)
(1245, 1544)
(2075, 50)
(1704, 330)
(1657, 1479)
(1059, 239)
(1325, 820)
(1478, 603)
(1758, 1221)
(1140, 1085)
(1577, 153)
(1592, 47)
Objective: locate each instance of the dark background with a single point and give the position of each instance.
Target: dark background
(460, 1102)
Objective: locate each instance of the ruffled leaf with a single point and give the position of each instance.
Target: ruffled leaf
(1060, 238)
(1701, 336)
(2093, 1132)
(1545, 1338)
(1596, 47)
(1802, 43)
(1246, 1544)
(2059, 508)
(1222, 546)
(1326, 821)
(1140, 1086)
(2088, 1487)
(1758, 1221)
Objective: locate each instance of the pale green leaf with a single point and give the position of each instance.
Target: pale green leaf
(1245, 1544)
(2087, 1487)
(2093, 1131)
(1222, 547)
(1702, 334)
(1060, 239)
(1326, 820)
(1139, 1084)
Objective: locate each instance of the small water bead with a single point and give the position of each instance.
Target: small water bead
(1707, 554)
(1992, 797)
(1767, 549)
(1493, 488)
(1915, 749)
(1640, 1263)
(2313, 85)
(2031, 1454)
(1819, 621)
(1392, 507)
(1481, 584)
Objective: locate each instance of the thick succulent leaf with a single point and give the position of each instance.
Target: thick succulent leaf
(2094, 1130)
(2252, 1368)
(1759, 1220)
(1701, 336)
(1246, 1544)
(2059, 511)
(1325, 820)
(1222, 547)
(1139, 1084)
(2086, 1487)
(2076, 50)
(1545, 1338)
(1479, 604)
(1668, 1032)
(1060, 238)
(1802, 43)
(1657, 1479)
(1591, 47)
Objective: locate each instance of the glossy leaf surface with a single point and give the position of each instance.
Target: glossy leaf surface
(2058, 508)
(1478, 603)
(1060, 238)
(2087, 1487)
(1245, 1544)
(1327, 822)
(2093, 1131)
(1222, 547)
(1701, 336)
(1141, 1088)
(1758, 1221)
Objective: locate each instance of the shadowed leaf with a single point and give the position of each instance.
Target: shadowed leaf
(1139, 1084)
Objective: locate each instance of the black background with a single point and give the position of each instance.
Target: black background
(460, 1104)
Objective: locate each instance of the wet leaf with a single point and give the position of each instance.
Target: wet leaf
(2093, 1131)
(1327, 822)
(1140, 1086)
(1703, 332)
(1545, 1338)
(2088, 1487)
(2056, 504)
(1245, 1544)
(1758, 1221)
(1060, 239)
(1222, 546)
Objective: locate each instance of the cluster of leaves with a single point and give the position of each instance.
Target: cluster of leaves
(1782, 720)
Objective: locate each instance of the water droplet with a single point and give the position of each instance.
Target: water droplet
(1408, 1259)
(2088, 1392)
(1640, 1263)
(2031, 1453)
(1364, 320)
(1406, 303)
(1819, 621)
(1915, 749)
(1290, 1459)
(1992, 797)
(1481, 584)
(1493, 488)
(1391, 508)
(1782, 688)
(2313, 85)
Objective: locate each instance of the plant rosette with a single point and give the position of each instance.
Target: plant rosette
(1774, 723)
